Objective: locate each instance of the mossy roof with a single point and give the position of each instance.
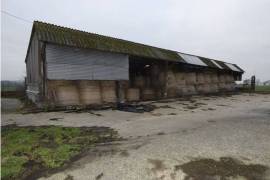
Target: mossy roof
(71, 37)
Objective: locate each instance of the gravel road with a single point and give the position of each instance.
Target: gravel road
(175, 133)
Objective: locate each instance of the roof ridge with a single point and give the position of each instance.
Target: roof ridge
(105, 36)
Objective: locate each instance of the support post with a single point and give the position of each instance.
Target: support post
(165, 94)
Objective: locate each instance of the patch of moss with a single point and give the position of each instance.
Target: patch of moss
(72, 37)
(26, 150)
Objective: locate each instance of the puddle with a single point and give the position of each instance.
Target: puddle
(192, 101)
(99, 176)
(158, 165)
(199, 104)
(96, 114)
(139, 108)
(209, 109)
(69, 177)
(161, 133)
(167, 107)
(222, 105)
(55, 119)
(156, 114)
(124, 153)
(191, 107)
(226, 168)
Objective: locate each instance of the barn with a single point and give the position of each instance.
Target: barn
(68, 67)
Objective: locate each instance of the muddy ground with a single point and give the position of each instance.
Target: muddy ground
(175, 141)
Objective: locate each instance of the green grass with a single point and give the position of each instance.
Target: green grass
(29, 149)
(8, 88)
(262, 88)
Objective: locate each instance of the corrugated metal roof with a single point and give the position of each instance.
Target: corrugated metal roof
(70, 37)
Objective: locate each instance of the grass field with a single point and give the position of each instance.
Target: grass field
(28, 150)
(262, 88)
(9, 86)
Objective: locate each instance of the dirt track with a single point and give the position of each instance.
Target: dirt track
(176, 133)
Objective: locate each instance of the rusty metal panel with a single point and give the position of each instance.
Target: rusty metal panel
(68, 63)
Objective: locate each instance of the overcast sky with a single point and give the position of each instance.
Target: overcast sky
(236, 31)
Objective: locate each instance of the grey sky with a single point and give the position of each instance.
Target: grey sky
(236, 31)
